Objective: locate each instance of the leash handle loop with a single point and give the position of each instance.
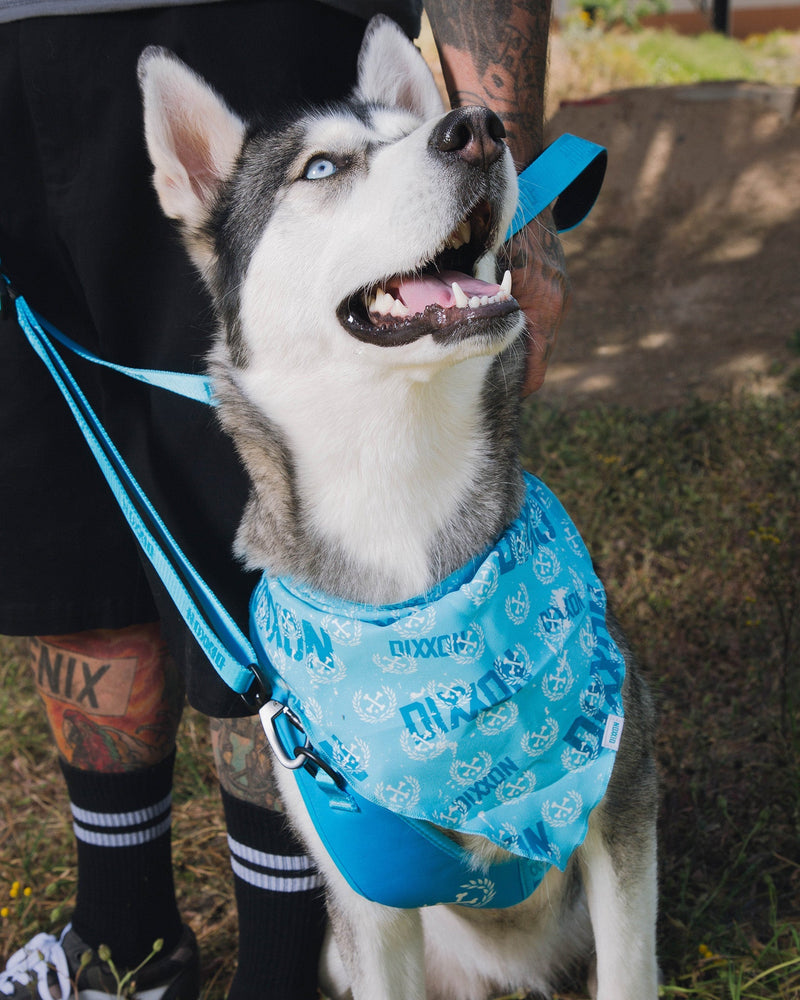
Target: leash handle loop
(570, 173)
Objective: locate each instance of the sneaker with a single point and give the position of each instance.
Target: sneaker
(48, 967)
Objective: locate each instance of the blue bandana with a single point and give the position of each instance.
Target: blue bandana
(490, 705)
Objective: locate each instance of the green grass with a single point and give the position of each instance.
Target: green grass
(693, 517)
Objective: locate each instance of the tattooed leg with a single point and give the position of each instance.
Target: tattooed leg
(244, 764)
(113, 697)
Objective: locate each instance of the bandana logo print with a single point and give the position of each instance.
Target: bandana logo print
(468, 646)
(483, 585)
(518, 605)
(498, 719)
(402, 796)
(593, 696)
(557, 683)
(353, 759)
(509, 837)
(587, 638)
(289, 626)
(421, 621)
(557, 621)
(325, 670)
(424, 746)
(546, 566)
(537, 743)
(374, 708)
(516, 788)
(345, 631)
(560, 814)
(514, 667)
(576, 757)
(402, 664)
(466, 772)
(453, 815)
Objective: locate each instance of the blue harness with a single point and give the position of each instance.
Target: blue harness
(427, 867)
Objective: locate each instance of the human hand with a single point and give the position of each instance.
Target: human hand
(541, 286)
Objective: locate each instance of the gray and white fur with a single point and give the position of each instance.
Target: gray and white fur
(381, 443)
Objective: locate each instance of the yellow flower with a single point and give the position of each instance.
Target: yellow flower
(15, 887)
(4, 912)
(27, 891)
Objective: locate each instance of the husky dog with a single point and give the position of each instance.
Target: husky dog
(368, 368)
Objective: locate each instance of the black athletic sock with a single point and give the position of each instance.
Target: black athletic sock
(281, 907)
(126, 895)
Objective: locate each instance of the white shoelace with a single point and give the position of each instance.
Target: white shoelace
(41, 955)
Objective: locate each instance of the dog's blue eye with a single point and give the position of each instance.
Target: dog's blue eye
(319, 168)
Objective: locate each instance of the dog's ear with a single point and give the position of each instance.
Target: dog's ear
(392, 71)
(194, 140)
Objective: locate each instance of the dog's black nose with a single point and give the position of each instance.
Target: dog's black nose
(473, 134)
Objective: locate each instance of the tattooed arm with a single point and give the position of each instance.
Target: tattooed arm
(494, 53)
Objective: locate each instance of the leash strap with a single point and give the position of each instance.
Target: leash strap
(196, 387)
(207, 619)
(569, 173)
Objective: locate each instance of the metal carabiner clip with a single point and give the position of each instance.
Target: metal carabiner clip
(269, 712)
(302, 756)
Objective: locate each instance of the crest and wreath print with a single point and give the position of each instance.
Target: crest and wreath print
(483, 706)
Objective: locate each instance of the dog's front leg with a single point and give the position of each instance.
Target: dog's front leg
(381, 949)
(621, 890)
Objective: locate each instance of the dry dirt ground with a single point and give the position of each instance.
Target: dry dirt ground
(686, 276)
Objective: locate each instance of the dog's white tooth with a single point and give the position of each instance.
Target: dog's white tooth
(505, 284)
(484, 300)
(381, 303)
(474, 302)
(459, 295)
(465, 231)
(399, 310)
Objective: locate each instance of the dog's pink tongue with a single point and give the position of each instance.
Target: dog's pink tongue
(435, 289)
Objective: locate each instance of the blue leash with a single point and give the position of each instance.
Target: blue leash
(231, 655)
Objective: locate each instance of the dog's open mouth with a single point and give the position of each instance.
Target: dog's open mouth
(441, 297)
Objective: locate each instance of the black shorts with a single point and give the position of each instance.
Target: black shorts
(83, 238)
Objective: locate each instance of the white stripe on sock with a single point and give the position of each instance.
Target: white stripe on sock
(275, 883)
(278, 862)
(116, 820)
(133, 838)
